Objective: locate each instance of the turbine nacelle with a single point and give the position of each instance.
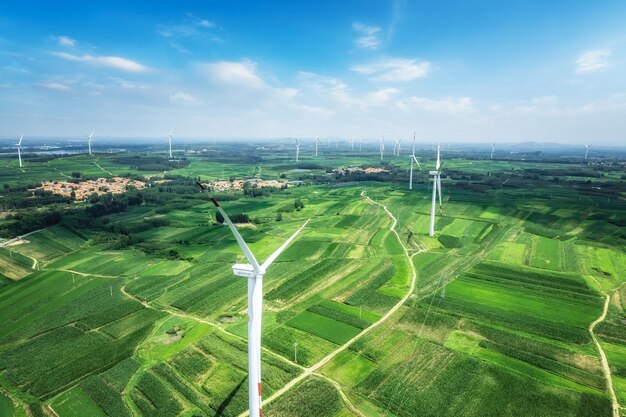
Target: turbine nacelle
(246, 271)
(433, 172)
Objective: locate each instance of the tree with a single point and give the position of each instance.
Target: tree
(218, 217)
(279, 216)
(298, 204)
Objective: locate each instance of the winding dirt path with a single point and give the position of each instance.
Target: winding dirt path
(605, 363)
(313, 368)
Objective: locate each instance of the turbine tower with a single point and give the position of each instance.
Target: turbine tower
(317, 141)
(413, 158)
(254, 272)
(382, 147)
(169, 136)
(89, 139)
(19, 149)
(360, 140)
(436, 186)
(492, 145)
(297, 150)
(586, 151)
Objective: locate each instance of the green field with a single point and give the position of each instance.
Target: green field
(135, 311)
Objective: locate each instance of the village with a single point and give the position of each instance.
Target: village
(226, 185)
(82, 190)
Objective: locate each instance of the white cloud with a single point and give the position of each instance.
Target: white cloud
(191, 27)
(54, 86)
(242, 74)
(115, 62)
(368, 35)
(180, 97)
(593, 61)
(450, 105)
(205, 23)
(394, 69)
(65, 41)
(336, 90)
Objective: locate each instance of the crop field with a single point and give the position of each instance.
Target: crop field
(136, 312)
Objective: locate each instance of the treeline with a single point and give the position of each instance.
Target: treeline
(19, 197)
(151, 163)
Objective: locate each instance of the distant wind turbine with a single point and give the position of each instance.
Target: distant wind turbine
(396, 147)
(169, 136)
(413, 158)
(317, 141)
(89, 139)
(382, 147)
(254, 272)
(19, 149)
(436, 186)
(297, 150)
(360, 140)
(492, 147)
(586, 150)
(351, 144)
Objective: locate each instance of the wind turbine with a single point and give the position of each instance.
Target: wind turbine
(169, 136)
(382, 147)
(436, 186)
(89, 139)
(396, 147)
(317, 141)
(254, 272)
(413, 158)
(586, 150)
(297, 150)
(19, 149)
(360, 140)
(492, 145)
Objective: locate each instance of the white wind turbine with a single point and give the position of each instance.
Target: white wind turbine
(492, 147)
(360, 142)
(170, 138)
(436, 186)
(89, 139)
(254, 272)
(19, 149)
(586, 150)
(297, 150)
(396, 147)
(317, 141)
(382, 147)
(413, 158)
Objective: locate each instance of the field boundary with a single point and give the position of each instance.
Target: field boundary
(605, 363)
(313, 368)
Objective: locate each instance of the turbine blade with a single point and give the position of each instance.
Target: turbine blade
(417, 162)
(282, 247)
(438, 157)
(242, 244)
(439, 189)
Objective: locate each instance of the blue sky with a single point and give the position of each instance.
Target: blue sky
(466, 71)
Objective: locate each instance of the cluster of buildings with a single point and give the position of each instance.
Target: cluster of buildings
(368, 170)
(82, 190)
(225, 185)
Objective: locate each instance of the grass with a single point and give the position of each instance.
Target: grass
(349, 368)
(324, 327)
(75, 403)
